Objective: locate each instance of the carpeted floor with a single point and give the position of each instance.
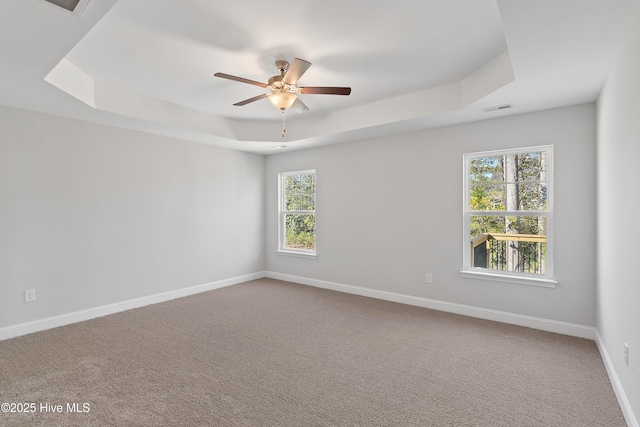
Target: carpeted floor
(271, 353)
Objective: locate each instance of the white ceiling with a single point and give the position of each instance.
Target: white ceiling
(411, 64)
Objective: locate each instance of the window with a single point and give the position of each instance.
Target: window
(297, 229)
(508, 215)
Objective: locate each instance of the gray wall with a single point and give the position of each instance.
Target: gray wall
(92, 215)
(390, 210)
(618, 308)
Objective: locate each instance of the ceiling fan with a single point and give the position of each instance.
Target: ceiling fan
(283, 90)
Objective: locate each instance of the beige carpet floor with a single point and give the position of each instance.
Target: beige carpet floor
(271, 353)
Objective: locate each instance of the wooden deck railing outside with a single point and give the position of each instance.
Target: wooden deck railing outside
(492, 250)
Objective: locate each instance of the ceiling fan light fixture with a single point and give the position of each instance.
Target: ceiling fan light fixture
(283, 89)
(283, 100)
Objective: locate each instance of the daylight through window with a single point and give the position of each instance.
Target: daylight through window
(298, 212)
(508, 212)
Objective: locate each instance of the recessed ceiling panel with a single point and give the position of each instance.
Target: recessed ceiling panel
(170, 50)
(149, 64)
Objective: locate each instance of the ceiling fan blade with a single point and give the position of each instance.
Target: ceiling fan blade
(295, 70)
(239, 79)
(250, 100)
(319, 90)
(299, 106)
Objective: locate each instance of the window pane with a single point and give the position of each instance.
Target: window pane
(300, 192)
(300, 231)
(486, 169)
(532, 196)
(292, 193)
(532, 166)
(514, 244)
(487, 197)
(514, 182)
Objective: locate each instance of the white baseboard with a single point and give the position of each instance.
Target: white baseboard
(627, 411)
(91, 313)
(564, 328)
(467, 310)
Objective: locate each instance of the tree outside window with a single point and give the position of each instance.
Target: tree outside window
(298, 211)
(508, 211)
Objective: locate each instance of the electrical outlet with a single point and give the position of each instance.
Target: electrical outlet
(626, 354)
(429, 278)
(30, 295)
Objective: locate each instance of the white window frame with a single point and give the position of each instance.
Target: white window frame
(282, 249)
(468, 271)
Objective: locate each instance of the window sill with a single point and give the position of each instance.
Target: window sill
(311, 255)
(520, 280)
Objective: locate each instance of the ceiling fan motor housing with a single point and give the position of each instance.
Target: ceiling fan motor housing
(276, 82)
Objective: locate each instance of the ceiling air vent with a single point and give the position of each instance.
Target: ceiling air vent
(497, 108)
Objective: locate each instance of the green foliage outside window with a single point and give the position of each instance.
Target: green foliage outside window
(491, 190)
(299, 208)
(508, 195)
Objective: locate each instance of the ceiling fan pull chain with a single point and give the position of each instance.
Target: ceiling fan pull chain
(284, 127)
